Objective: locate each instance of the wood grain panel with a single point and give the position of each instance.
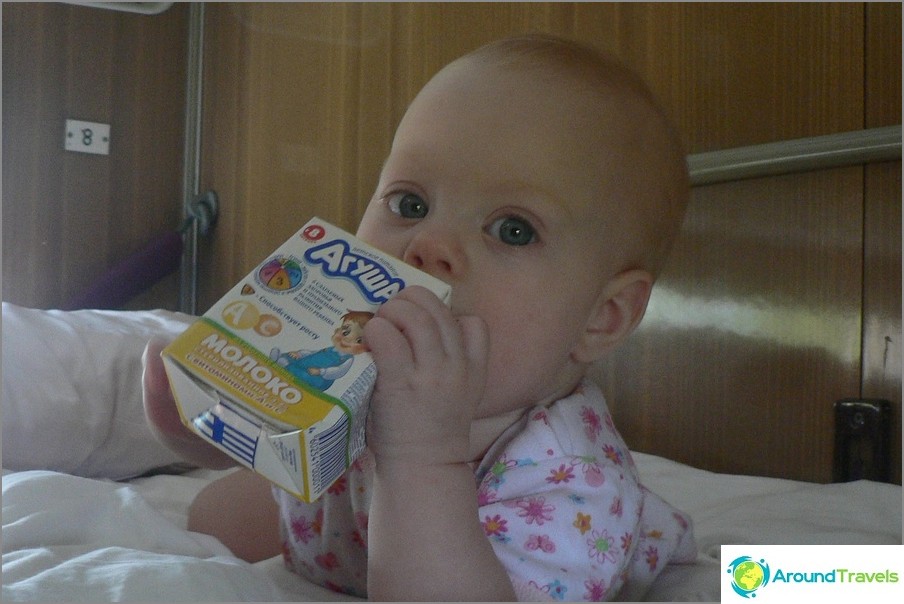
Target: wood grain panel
(302, 104)
(315, 90)
(68, 217)
(882, 361)
(752, 332)
(736, 74)
(756, 328)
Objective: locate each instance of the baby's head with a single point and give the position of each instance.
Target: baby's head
(543, 182)
(632, 171)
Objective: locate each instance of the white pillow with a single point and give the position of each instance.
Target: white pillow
(72, 390)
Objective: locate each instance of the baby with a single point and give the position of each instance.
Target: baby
(543, 182)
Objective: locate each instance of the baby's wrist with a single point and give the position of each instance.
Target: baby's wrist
(416, 460)
(404, 473)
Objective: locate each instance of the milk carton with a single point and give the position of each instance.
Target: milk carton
(276, 373)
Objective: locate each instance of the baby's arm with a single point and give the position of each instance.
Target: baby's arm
(238, 508)
(240, 511)
(424, 535)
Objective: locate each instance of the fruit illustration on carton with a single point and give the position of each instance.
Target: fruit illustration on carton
(276, 373)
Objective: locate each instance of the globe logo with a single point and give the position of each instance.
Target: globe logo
(748, 575)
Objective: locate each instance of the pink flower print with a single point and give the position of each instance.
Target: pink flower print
(359, 535)
(328, 561)
(596, 590)
(496, 475)
(540, 416)
(613, 454)
(540, 542)
(561, 475)
(302, 530)
(601, 546)
(554, 590)
(652, 557)
(287, 554)
(338, 487)
(593, 474)
(495, 526)
(535, 509)
(626, 541)
(617, 508)
(361, 520)
(609, 423)
(318, 521)
(592, 424)
(485, 494)
(680, 519)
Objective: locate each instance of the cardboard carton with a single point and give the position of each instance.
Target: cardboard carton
(276, 373)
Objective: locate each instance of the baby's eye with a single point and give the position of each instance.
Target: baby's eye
(407, 205)
(512, 230)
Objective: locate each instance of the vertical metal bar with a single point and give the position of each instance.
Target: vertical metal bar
(191, 164)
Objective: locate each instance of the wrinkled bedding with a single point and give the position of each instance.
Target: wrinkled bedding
(89, 516)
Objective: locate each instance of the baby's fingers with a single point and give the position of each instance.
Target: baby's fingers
(159, 404)
(163, 415)
(476, 340)
(389, 347)
(426, 324)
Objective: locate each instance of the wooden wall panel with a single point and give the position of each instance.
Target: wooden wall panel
(736, 74)
(756, 328)
(882, 360)
(315, 90)
(753, 330)
(68, 217)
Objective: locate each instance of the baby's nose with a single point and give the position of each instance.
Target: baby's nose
(437, 253)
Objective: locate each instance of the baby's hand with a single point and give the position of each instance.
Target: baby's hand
(431, 370)
(163, 416)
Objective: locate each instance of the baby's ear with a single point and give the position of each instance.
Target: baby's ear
(618, 310)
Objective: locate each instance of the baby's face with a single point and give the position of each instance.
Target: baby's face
(490, 187)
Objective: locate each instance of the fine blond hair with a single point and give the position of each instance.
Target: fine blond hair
(655, 200)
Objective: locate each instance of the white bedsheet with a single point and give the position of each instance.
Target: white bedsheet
(69, 535)
(68, 538)
(81, 539)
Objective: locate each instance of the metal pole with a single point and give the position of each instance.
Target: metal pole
(188, 290)
(798, 155)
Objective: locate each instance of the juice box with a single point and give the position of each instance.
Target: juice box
(275, 373)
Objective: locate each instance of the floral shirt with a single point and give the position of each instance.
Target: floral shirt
(559, 500)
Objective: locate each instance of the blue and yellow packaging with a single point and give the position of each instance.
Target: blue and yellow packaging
(276, 373)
